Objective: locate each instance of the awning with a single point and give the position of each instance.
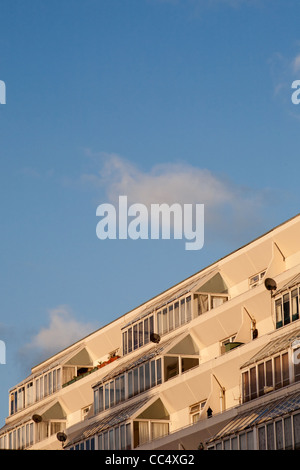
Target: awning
(273, 347)
(78, 356)
(291, 283)
(141, 358)
(51, 411)
(259, 415)
(112, 419)
(171, 295)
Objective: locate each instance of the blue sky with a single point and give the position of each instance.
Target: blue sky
(183, 101)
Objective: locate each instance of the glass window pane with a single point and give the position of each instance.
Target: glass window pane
(151, 325)
(279, 435)
(153, 375)
(111, 393)
(143, 432)
(135, 337)
(54, 381)
(165, 320)
(141, 377)
(202, 303)
(270, 436)
(285, 370)
(227, 444)
(159, 323)
(296, 419)
(243, 442)
(288, 444)
(296, 362)
(250, 442)
(128, 436)
(253, 390)
(130, 383)
(234, 443)
(123, 437)
(286, 309)
(129, 340)
(111, 439)
(171, 320)
(261, 378)
(124, 343)
(96, 401)
(141, 334)
(122, 387)
(117, 390)
(278, 312)
(171, 367)
(146, 331)
(106, 396)
(105, 440)
(158, 371)
(295, 304)
(277, 372)
(188, 309)
(101, 402)
(147, 375)
(246, 390)
(159, 430)
(58, 378)
(182, 312)
(176, 314)
(117, 438)
(261, 438)
(269, 375)
(135, 381)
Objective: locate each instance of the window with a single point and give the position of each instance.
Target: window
(146, 430)
(263, 377)
(226, 341)
(137, 335)
(256, 279)
(206, 302)
(171, 367)
(131, 383)
(287, 307)
(188, 363)
(196, 410)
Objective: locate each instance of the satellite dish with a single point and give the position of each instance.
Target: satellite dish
(270, 284)
(61, 436)
(37, 418)
(154, 338)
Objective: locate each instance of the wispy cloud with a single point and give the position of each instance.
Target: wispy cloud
(62, 330)
(227, 204)
(296, 64)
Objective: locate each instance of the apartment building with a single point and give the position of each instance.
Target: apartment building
(211, 363)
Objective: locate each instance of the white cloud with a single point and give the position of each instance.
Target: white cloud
(296, 64)
(226, 203)
(62, 331)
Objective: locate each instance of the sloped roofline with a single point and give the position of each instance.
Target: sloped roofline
(175, 285)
